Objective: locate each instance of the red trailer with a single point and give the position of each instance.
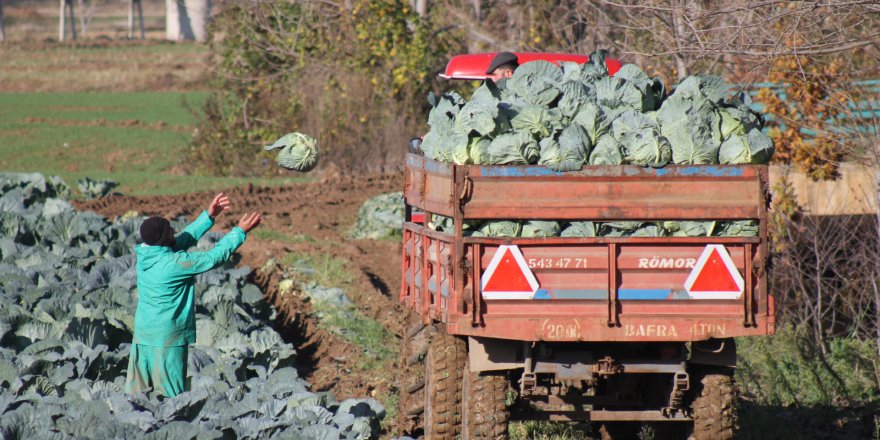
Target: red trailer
(619, 331)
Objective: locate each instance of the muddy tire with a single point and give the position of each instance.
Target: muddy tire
(429, 382)
(484, 412)
(444, 368)
(411, 380)
(714, 408)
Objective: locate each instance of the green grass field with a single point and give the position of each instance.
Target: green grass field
(105, 109)
(134, 138)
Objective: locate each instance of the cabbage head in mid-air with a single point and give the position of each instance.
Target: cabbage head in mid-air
(298, 152)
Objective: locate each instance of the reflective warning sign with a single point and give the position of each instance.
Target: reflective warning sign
(715, 276)
(508, 276)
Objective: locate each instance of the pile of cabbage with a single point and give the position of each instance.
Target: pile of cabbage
(67, 301)
(568, 116)
(380, 217)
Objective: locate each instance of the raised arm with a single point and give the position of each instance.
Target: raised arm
(195, 230)
(197, 262)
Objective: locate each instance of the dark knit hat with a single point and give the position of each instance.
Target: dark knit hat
(154, 229)
(501, 58)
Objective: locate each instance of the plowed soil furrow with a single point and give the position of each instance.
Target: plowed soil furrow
(323, 212)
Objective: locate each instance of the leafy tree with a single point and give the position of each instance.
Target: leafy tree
(354, 77)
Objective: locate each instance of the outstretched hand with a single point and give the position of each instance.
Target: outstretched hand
(249, 221)
(218, 205)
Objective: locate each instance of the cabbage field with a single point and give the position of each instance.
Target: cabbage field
(67, 301)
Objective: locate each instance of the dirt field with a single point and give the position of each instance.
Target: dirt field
(323, 211)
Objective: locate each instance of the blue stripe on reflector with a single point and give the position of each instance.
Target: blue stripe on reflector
(542, 294)
(644, 294)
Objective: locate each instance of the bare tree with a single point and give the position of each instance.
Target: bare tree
(827, 268)
(87, 12)
(865, 138)
(673, 37)
(708, 36)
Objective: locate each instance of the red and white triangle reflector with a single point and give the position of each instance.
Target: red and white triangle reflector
(508, 276)
(715, 276)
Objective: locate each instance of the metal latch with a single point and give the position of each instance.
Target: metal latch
(607, 366)
(527, 384)
(529, 380)
(680, 384)
(466, 191)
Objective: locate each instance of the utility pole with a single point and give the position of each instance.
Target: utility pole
(140, 13)
(62, 20)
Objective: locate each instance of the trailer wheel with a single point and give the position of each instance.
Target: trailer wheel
(444, 368)
(411, 380)
(484, 411)
(714, 407)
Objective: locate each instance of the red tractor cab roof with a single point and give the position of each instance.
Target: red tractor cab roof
(474, 65)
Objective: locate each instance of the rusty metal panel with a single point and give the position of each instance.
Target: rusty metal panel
(656, 271)
(648, 198)
(557, 241)
(429, 185)
(590, 289)
(570, 271)
(595, 192)
(427, 286)
(618, 171)
(646, 328)
(407, 268)
(659, 271)
(568, 315)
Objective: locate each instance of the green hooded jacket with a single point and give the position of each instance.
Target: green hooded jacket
(165, 315)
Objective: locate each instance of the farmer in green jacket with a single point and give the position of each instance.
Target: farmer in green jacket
(165, 323)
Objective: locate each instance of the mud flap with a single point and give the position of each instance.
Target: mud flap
(490, 354)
